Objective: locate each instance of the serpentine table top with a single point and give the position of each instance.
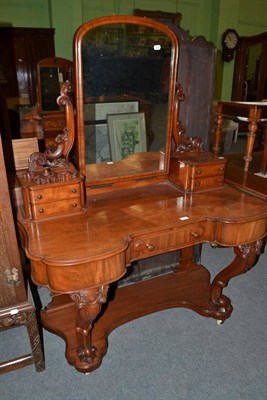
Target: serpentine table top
(78, 256)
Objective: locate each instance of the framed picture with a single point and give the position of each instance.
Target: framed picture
(100, 111)
(127, 134)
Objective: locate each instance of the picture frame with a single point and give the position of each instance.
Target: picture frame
(127, 134)
(99, 111)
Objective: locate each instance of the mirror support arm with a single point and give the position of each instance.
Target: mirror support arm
(66, 140)
(54, 166)
(182, 143)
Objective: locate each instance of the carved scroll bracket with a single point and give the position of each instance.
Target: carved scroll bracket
(89, 304)
(54, 166)
(246, 257)
(182, 143)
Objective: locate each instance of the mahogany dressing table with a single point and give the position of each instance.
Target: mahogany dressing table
(82, 226)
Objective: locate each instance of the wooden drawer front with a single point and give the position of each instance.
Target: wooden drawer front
(55, 208)
(235, 234)
(202, 171)
(146, 246)
(200, 184)
(45, 195)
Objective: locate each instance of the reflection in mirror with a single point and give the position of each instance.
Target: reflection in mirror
(51, 78)
(126, 73)
(253, 55)
(250, 72)
(51, 74)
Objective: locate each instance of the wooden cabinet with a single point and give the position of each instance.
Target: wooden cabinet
(196, 71)
(15, 307)
(20, 50)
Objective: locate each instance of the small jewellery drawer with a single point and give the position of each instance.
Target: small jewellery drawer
(56, 198)
(197, 171)
(149, 245)
(45, 210)
(42, 194)
(214, 181)
(203, 171)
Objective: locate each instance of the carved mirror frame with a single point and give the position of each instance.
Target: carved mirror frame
(79, 98)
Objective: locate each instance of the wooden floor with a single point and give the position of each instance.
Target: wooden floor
(247, 181)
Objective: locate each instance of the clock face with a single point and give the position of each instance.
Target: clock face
(230, 40)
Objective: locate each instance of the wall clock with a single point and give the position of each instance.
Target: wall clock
(229, 44)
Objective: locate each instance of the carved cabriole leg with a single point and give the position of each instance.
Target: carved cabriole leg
(246, 257)
(89, 304)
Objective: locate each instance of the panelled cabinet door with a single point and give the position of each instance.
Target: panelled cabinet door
(15, 308)
(11, 279)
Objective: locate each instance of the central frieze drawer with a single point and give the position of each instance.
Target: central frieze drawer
(149, 245)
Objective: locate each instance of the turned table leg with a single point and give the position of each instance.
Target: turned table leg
(89, 304)
(246, 257)
(218, 132)
(254, 116)
(264, 158)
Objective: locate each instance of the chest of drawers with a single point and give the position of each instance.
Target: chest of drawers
(57, 198)
(196, 172)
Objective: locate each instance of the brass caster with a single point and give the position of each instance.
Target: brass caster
(220, 321)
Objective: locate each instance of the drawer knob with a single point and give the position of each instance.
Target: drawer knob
(221, 169)
(41, 211)
(39, 196)
(139, 245)
(199, 171)
(150, 247)
(74, 190)
(74, 205)
(195, 234)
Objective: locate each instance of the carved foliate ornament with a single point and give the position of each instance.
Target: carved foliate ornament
(182, 143)
(54, 166)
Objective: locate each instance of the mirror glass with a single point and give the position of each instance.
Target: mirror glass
(51, 73)
(123, 108)
(51, 81)
(253, 56)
